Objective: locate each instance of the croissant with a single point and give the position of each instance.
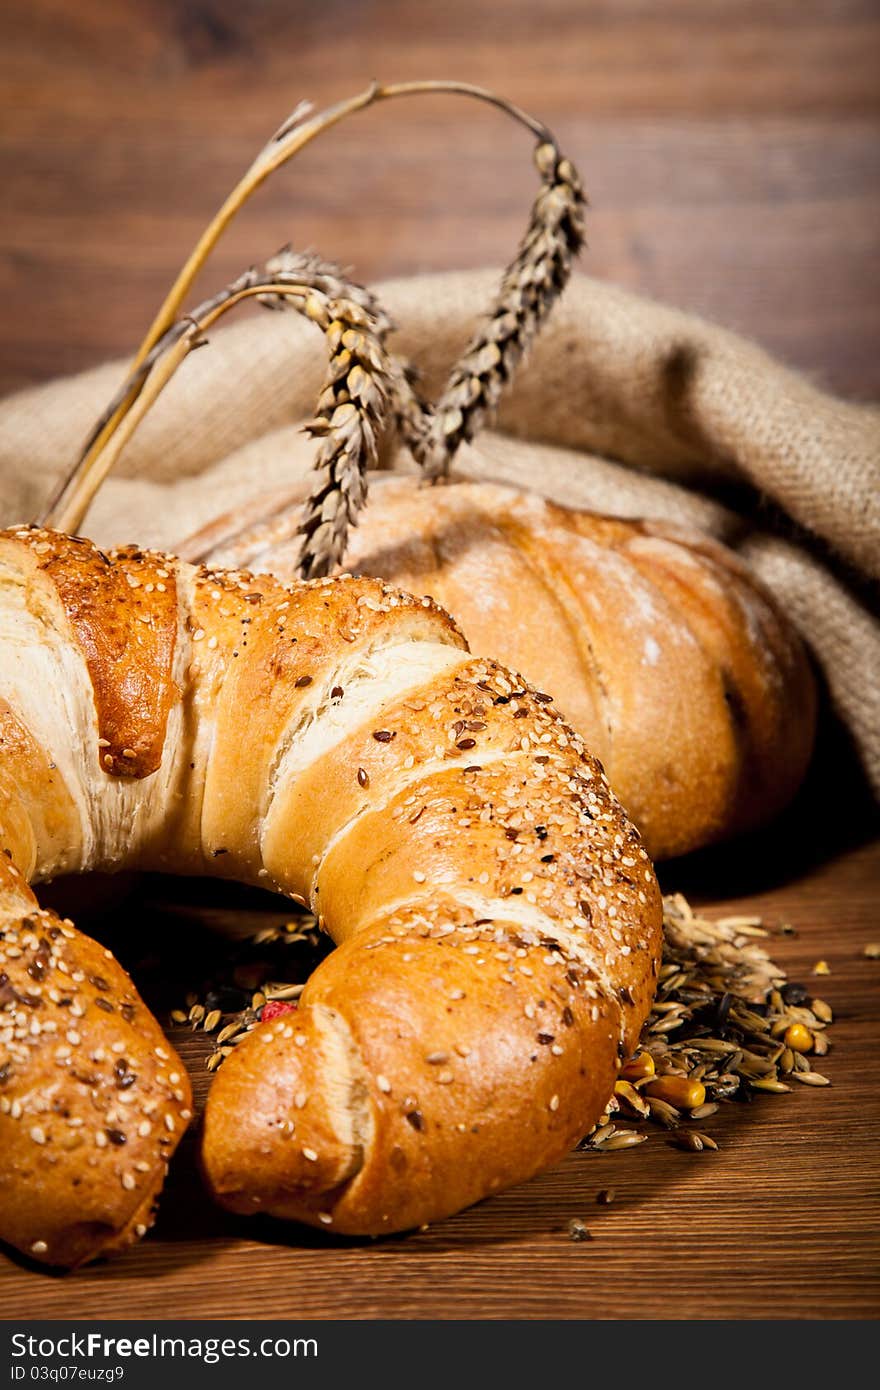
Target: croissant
(497, 917)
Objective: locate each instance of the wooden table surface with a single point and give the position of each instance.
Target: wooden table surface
(780, 1222)
(731, 154)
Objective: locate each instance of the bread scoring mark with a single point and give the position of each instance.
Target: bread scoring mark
(346, 1088)
(386, 665)
(275, 654)
(409, 776)
(561, 595)
(528, 820)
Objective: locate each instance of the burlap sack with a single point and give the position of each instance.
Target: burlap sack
(624, 406)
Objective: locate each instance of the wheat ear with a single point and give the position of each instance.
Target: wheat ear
(529, 288)
(352, 409)
(350, 415)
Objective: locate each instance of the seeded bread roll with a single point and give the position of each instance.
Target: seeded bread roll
(664, 652)
(93, 1100)
(498, 919)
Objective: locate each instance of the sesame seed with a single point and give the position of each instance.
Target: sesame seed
(39, 1247)
(384, 1084)
(310, 1155)
(38, 1135)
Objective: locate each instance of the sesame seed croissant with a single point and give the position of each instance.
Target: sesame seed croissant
(496, 916)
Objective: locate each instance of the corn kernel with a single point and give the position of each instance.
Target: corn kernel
(679, 1091)
(638, 1067)
(798, 1038)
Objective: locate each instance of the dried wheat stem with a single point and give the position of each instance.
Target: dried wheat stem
(295, 132)
(288, 140)
(292, 135)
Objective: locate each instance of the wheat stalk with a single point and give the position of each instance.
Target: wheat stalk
(364, 378)
(529, 288)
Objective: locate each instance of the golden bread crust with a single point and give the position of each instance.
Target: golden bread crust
(123, 615)
(675, 665)
(93, 1100)
(499, 919)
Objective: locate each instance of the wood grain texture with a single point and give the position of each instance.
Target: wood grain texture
(731, 154)
(730, 151)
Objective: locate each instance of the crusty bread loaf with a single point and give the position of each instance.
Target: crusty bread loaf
(671, 660)
(498, 917)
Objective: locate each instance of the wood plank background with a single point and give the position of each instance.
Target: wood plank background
(731, 152)
(730, 149)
